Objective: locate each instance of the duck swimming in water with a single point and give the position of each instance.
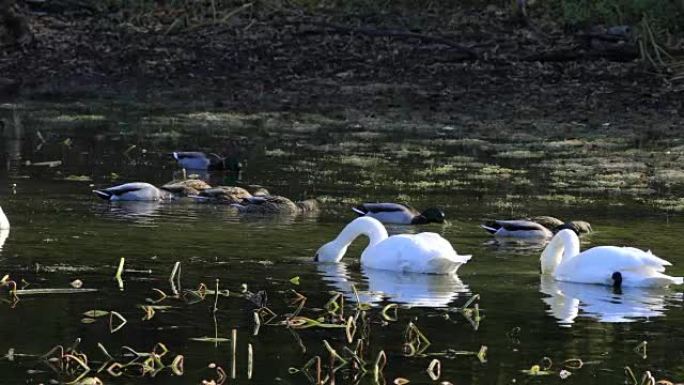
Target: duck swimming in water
(275, 204)
(426, 253)
(536, 228)
(186, 187)
(223, 195)
(401, 214)
(196, 160)
(136, 191)
(518, 228)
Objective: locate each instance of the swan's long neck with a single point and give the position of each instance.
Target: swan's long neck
(563, 245)
(370, 227)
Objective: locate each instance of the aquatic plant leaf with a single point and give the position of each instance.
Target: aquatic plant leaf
(385, 312)
(250, 361)
(177, 365)
(350, 329)
(210, 339)
(122, 321)
(96, 313)
(536, 370)
(379, 365)
(294, 280)
(90, 381)
(434, 370)
(65, 290)
(149, 312)
(641, 349)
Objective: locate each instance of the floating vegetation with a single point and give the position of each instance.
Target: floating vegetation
(277, 152)
(546, 365)
(360, 161)
(520, 154)
(641, 349)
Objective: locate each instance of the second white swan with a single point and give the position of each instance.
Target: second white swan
(603, 265)
(426, 253)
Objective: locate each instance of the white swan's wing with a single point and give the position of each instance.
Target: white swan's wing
(417, 253)
(597, 265)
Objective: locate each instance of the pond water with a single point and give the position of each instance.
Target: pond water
(627, 188)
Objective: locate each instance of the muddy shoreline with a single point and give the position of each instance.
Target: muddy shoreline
(330, 65)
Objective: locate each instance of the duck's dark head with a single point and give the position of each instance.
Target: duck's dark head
(568, 225)
(433, 214)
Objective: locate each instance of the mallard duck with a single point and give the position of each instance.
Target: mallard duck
(4, 222)
(547, 221)
(398, 213)
(603, 265)
(535, 228)
(186, 187)
(580, 227)
(426, 253)
(274, 204)
(223, 194)
(195, 160)
(136, 191)
(518, 228)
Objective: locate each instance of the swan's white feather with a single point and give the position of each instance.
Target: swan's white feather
(426, 253)
(638, 268)
(418, 253)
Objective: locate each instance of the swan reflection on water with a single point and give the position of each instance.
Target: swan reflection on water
(601, 303)
(3, 238)
(424, 290)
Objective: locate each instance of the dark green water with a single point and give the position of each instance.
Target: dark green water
(60, 232)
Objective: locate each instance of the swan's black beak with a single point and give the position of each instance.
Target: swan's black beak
(617, 280)
(316, 258)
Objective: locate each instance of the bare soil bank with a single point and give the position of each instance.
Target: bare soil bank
(464, 67)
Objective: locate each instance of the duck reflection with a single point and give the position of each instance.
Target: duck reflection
(423, 290)
(602, 303)
(139, 211)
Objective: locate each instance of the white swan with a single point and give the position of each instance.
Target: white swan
(426, 253)
(603, 265)
(4, 222)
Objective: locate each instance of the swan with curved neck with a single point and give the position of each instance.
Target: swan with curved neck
(603, 265)
(427, 253)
